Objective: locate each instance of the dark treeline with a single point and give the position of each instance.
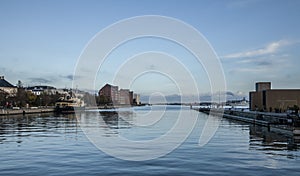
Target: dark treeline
(25, 98)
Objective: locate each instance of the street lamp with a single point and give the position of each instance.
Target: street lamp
(41, 102)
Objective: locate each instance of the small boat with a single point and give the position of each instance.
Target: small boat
(69, 104)
(296, 132)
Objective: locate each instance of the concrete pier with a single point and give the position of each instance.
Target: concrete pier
(280, 122)
(4, 112)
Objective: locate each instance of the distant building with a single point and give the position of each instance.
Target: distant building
(136, 99)
(38, 90)
(63, 91)
(273, 100)
(116, 96)
(261, 86)
(242, 102)
(110, 92)
(7, 87)
(124, 98)
(131, 97)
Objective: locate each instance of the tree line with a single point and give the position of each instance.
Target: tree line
(25, 98)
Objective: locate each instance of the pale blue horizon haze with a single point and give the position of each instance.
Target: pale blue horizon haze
(41, 41)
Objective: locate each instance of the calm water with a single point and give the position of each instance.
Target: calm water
(55, 145)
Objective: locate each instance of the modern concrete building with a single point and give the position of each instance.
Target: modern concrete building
(273, 100)
(7, 87)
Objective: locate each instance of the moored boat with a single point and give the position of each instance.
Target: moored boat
(69, 104)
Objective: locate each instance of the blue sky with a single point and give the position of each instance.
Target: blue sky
(256, 40)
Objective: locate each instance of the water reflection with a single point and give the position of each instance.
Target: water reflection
(15, 128)
(117, 120)
(265, 140)
(49, 144)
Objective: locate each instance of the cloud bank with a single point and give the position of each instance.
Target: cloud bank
(271, 48)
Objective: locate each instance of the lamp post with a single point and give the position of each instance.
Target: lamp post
(41, 102)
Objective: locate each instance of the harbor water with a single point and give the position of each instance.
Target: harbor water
(55, 144)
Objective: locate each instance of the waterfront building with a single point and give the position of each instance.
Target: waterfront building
(116, 96)
(124, 98)
(63, 91)
(38, 90)
(136, 99)
(273, 100)
(241, 102)
(131, 97)
(110, 92)
(7, 87)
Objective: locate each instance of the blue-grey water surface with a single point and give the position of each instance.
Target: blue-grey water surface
(48, 144)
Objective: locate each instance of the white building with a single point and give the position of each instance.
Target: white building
(137, 99)
(38, 90)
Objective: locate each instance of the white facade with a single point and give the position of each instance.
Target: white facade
(137, 98)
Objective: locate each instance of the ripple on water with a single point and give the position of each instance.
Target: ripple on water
(55, 145)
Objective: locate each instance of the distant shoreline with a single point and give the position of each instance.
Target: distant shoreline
(36, 110)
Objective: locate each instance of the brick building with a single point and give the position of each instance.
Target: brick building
(116, 96)
(273, 100)
(110, 92)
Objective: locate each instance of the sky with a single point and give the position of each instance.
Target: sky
(255, 40)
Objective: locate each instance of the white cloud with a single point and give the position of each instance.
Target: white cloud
(271, 48)
(264, 64)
